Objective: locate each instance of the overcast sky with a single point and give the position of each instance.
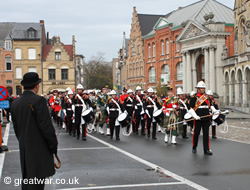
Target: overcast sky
(98, 25)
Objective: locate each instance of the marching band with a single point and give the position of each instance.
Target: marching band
(140, 111)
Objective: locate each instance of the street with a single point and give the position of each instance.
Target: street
(137, 162)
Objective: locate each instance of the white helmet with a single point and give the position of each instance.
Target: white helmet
(70, 92)
(210, 93)
(79, 87)
(129, 91)
(179, 91)
(138, 88)
(192, 93)
(68, 89)
(201, 84)
(150, 90)
(113, 92)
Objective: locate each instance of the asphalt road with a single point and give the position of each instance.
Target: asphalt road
(138, 162)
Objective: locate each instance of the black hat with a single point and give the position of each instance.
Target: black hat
(30, 79)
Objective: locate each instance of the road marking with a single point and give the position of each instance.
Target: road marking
(5, 142)
(126, 186)
(90, 148)
(154, 166)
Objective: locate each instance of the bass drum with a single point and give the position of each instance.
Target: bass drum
(88, 116)
(123, 119)
(158, 116)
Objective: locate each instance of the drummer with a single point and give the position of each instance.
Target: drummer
(213, 103)
(170, 105)
(69, 111)
(114, 108)
(129, 106)
(152, 103)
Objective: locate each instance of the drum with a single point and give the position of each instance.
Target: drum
(219, 119)
(158, 116)
(123, 119)
(88, 116)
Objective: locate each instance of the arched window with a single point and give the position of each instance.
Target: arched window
(162, 47)
(179, 71)
(149, 50)
(152, 75)
(153, 49)
(167, 46)
(166, 70)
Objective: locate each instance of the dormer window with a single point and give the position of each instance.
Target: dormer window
(8, 44)
(31, 33)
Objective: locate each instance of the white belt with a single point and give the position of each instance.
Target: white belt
(130, 105)
(69, 109)
(79, 105)
(150, 106)
(138, 104)
(202, 107)
(113, 109)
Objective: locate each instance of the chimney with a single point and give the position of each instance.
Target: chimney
(47, 38)
(41, 21)
(134, 8)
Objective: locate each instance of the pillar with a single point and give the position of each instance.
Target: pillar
(212, 74)
(244, 90)
(237, 93)
(231, 103)
(189, 73)
(184, 78)
(206, 67)
(194, 71)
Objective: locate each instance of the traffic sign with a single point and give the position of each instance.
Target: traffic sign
(3, 93)
(4, 104)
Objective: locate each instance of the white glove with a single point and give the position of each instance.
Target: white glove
(193, 113)
(167, 114)
(108, 110)
(126, 112)
(174, 106)
(136, 107)
(91, 109)
(213, 109)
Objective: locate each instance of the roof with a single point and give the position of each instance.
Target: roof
(147, 22)
(126, 45)
(47, 48)
(5, 31)
(20, 30)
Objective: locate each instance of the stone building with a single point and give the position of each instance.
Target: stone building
(58, 65)
(135, 64)
(236, 68)
(116, 74)
(79, 69)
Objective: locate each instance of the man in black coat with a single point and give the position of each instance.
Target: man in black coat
(35, 133)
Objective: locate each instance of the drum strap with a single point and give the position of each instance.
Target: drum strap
(116, 104)
(155, 108)
(139, 99)
(80, 98)
(130, 99)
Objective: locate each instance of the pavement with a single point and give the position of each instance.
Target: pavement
(137, 162)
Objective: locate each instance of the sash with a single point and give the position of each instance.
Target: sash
(116, 105)
(80, 98)
(139, 100)
(155, 107)
(200, 101)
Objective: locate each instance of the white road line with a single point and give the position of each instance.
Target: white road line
(125, 186)
(61, 149)
(154, 166)
(5, 142)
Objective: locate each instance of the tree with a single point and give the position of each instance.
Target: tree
(98, 72)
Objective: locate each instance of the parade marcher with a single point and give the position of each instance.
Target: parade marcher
(69, 106)
(52, 102)
(213, 103)
(151, 104)
(190, 123)
(129, 106)
(170, 105)
(139, 110)
(124, 95)
(114, 107)
(182, 111)
(101, 106)
(35, 133)
(199, 107)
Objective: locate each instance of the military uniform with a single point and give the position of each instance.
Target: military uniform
(69, 106)
(214, 103)
(101, 103)
(139, 112)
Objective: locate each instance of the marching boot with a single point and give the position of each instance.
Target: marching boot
(208, 152)
(184, 134)
(101, 131)
(84, 132)
(117, 132)
(214, 132)
(194, 150)
(154, 131)
(108, 131)
(173, 140)
(166, 138)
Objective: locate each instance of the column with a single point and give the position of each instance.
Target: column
(224, 94)
(194, 71)
(189, 73)
(212, 69)
(184, 78)
(206, 67)
(244, 86)
(231, 103)
(237, 94)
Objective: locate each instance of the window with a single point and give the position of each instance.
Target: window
(152, 75)
(138, 68)
(19, 74)
(179, 71)
(142, 73)
(58, 56)
(10, 91)
(153, 49)
(52, 74)
(139, 49)
(162, 47)
(8, 63)
(31, 33)
(167, 47)
(8, 45)
(32, 53)
(18, 90)
(8, 82)
(64, 74)
(18, 52)
(134, 69)
(149, 50)
(32, 69)
(165, 70)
